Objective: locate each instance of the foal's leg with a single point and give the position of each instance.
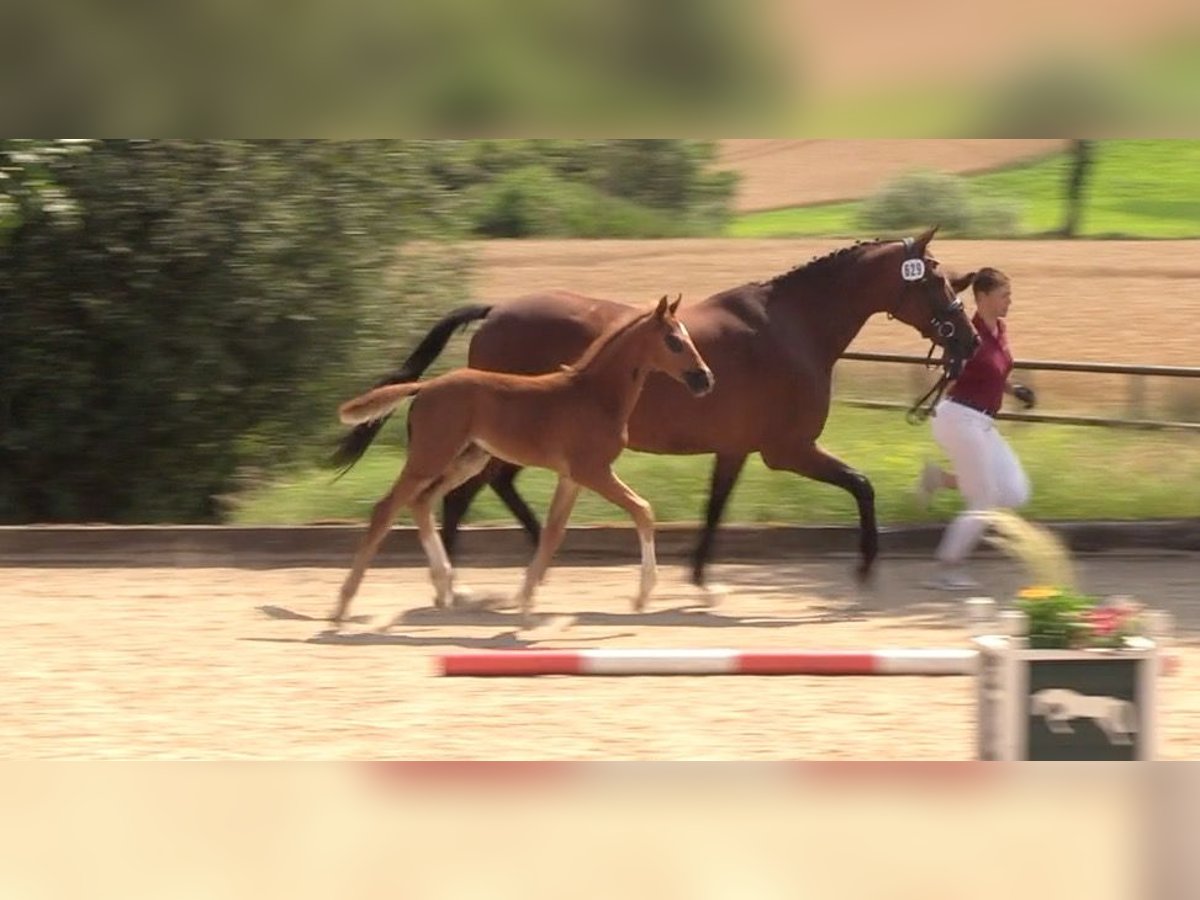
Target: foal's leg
(465, 467)
(806, 458)
(407, 486)
(561, 505)
(614, 490)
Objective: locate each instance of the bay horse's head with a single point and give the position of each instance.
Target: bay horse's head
(928, 300)
(672, 352)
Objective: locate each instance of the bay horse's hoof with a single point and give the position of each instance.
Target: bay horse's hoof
(711, 595)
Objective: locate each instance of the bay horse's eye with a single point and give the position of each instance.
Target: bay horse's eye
(674, 342)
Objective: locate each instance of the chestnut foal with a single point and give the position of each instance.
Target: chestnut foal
(572, 422)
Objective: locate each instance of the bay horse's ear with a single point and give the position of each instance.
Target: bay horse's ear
(962, 282)
(661, 312)
(674, 306)
(923, 240)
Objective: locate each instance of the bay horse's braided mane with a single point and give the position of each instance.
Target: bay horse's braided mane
(822, 264)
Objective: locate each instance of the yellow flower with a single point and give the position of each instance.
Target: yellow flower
(1038, 592)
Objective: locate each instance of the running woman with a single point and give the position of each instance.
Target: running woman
(985, 470)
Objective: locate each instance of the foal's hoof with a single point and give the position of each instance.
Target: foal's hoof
(461, 598)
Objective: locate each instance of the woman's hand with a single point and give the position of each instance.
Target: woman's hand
(1024, 394)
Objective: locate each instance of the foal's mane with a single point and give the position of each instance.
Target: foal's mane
(832, 261)
(605, 340)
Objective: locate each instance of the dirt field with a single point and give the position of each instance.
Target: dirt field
(223, 664)
(1116, 301)
(781, 173)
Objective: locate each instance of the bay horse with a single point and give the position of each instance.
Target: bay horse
(572, 421)
(772, 345)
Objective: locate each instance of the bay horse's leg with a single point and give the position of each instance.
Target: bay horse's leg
(504, 486)
(811, 461)
(614, 490)
(407, 486)
(565, 494)
(725, 474)
(454, 509)
(500, 475)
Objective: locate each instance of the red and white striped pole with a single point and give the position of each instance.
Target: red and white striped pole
(708, 662)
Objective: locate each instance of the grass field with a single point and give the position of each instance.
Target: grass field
(1077, 473)
(1138, 189)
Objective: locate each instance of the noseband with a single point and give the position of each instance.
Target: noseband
(915, 273)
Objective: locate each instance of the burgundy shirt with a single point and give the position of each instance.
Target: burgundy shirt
(981, 384)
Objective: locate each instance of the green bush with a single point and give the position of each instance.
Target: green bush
(535, 201)
(590, 189)
(172, 312)
(524, 202)
(994, 217)
(918, 199)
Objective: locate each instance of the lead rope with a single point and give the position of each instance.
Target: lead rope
(916, 414)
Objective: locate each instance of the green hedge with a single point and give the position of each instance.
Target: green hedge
(176, 311)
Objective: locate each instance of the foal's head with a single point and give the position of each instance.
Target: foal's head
(928, 300)
(670, 349)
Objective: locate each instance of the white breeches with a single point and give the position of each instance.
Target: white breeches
(989, 474)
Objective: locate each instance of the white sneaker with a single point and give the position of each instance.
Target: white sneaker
(951, 579)
(929, 482)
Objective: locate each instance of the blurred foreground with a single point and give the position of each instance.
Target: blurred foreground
(665, 831)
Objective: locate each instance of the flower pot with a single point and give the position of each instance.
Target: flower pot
(1090, 704)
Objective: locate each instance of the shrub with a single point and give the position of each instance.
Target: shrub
(919, 199)
(590, 188)
(195, 308)
(534, 201)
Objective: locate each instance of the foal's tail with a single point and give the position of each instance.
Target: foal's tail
(351, 448)
(376, 403)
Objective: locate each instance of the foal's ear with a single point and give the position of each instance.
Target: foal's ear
(661, 312)
(962, 282)
(674, 306)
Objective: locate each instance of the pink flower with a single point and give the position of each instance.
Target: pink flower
(1104, 622)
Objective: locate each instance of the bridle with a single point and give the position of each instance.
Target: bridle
(916, 273)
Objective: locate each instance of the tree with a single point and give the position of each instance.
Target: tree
(171, 311)
(1082, 157)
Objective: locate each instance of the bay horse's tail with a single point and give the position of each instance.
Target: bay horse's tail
(376, 403)
(351, 448)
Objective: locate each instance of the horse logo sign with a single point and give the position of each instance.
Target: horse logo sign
(1117, 718)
